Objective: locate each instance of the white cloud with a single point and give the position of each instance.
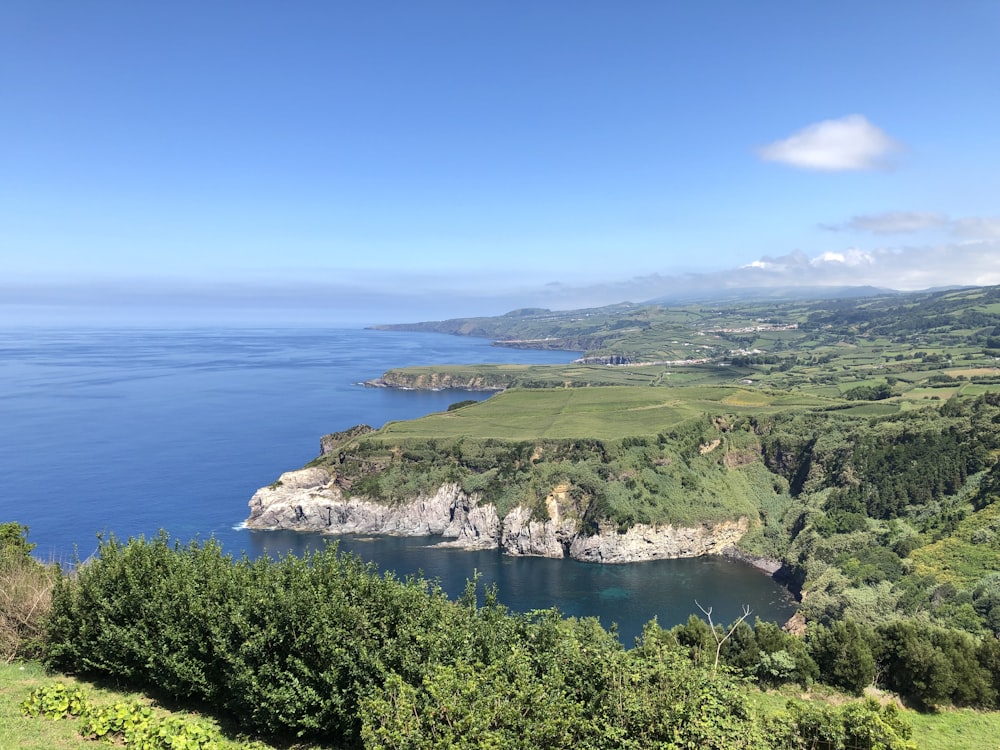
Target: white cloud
(849, 143)
(905, 222)
(892, 222)
(977, 227)
(851, 257)
(904, 268)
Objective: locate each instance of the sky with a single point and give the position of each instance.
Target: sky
(368, 162)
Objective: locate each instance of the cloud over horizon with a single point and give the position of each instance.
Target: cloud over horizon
(906, 222)
(849, 143)
(901, 268)
(970, 263)
(891, 222)
(406, 297)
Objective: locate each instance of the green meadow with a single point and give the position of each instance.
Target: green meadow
(597, 412)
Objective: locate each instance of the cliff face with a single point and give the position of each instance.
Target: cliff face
(309, 500)
(439, 381)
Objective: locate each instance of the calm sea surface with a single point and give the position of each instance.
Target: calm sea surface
(131, 431)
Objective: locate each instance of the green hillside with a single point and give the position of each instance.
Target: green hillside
(859, 436)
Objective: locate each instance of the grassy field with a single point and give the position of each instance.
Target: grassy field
(605, 412)
(819, 347)
(560, 376)
(960, 728)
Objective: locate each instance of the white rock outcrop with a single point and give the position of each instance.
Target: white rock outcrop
(642, 542)
(307, 500)
(310, 500)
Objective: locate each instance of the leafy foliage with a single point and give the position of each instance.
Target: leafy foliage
(860, 439)
(14, 540)
(134, 725)
(326, 648)
(856, 725)
(56, 701)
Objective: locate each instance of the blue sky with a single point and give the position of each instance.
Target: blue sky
(336, 162)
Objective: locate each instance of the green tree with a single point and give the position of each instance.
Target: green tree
(843, 655)
(14, 540)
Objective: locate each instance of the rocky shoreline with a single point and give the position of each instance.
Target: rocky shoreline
(310, 500)
(441, 384)
(436, 382)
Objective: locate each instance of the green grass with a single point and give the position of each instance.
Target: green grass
(957, 728)
(17, 680)
(901, 339)
(604, 412)
(558, 376)
(17, 731)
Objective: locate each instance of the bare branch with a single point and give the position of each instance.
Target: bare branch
(715, 634)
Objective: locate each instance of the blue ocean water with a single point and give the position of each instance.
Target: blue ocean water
(130, 431)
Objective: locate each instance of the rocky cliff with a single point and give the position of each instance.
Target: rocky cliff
(441, 381)
(310, 500)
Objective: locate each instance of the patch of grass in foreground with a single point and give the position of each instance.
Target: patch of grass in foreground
(16, 730)
(17, 680)
(958, 728)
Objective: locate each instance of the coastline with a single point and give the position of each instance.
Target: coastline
(309, 500)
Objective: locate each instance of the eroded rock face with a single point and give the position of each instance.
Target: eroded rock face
(642, 542)
(474, 526)
(523, 536)
(309, 500)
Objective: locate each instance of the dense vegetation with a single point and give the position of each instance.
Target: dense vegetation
(849, 503)
(323, 647)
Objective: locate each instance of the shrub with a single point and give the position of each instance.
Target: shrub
(288, 646)
(862, 724)
(25, 595)
(324, 647)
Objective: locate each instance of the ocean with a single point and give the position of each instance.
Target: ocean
(125, 432)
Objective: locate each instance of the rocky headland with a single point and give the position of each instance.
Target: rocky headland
(310, 499)
(439, 381)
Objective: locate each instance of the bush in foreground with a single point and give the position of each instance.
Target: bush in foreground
(324, 647)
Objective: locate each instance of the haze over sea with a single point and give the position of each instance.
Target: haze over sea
(129, 431)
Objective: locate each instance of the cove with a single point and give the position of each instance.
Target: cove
(626, 595)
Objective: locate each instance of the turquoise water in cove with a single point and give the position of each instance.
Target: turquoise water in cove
(130, 431)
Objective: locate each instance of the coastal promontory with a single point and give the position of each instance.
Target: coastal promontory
(310, 500)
